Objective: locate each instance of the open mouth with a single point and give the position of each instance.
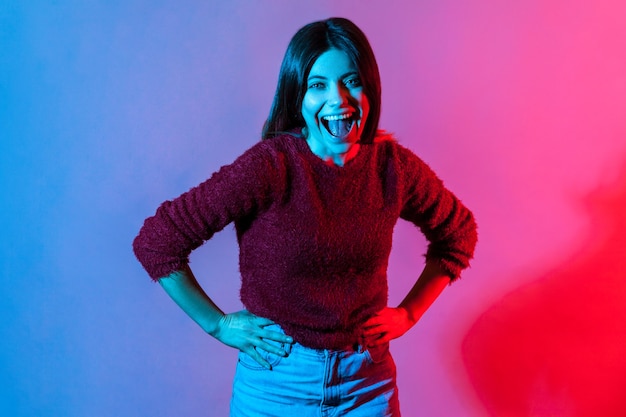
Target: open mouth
(339, 125)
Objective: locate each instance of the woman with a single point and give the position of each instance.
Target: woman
(314, 205)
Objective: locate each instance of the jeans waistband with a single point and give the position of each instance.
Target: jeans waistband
(355, 347)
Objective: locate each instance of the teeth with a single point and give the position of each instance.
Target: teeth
(338, 116)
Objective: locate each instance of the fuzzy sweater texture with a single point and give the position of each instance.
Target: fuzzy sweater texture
(314, 238)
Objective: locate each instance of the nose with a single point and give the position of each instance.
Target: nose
(337, 95)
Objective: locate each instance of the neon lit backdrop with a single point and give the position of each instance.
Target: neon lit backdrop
(109, 108)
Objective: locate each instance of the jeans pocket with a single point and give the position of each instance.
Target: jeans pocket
(273, 359)
(377, 354)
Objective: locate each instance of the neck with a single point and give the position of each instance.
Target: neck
(338, 157)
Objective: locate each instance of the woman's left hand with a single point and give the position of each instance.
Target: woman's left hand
(389, 323)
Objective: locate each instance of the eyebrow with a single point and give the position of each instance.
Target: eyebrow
(321, 77)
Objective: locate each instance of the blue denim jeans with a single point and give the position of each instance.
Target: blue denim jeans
(317, 383)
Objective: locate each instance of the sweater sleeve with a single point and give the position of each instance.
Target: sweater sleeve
(181, 225)
(448, 225)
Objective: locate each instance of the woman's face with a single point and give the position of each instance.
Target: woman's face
(334, 106)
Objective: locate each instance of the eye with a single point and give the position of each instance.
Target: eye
(316, 86)
(353, 82)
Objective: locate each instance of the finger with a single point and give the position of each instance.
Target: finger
(276, 350)
(262, 321)
(258, 358)
(372, 324)
(374, 330)
(377, 320)
(276, 336)
(384, 338)
(372, 341)
(369, 333)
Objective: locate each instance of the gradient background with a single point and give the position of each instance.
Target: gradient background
(107, 108)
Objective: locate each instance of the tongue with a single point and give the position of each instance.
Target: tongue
(340, 128)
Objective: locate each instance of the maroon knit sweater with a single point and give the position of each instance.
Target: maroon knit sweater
(314, 238)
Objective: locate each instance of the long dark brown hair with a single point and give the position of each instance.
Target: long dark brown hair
(305, 47)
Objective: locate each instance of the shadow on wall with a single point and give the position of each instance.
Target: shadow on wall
(557, 346)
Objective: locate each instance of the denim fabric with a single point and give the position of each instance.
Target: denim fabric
(317, 383)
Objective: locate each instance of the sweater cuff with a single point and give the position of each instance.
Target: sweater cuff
(450, 267)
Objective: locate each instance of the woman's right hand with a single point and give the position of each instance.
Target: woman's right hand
(241, 330)
(245, 331)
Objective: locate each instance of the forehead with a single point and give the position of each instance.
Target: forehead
(332, 64)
